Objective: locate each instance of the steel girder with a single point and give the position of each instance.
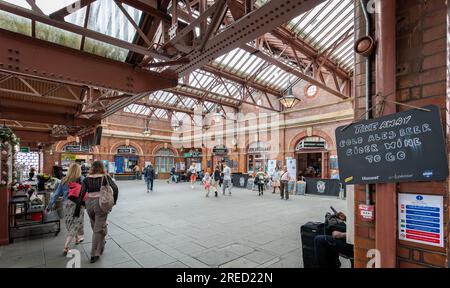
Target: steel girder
(314, 61)
(246, 29)
(55, 62)
(295, 71)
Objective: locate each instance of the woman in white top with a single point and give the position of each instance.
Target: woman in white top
(193, 172)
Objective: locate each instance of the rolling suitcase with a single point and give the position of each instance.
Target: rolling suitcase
(308, 232)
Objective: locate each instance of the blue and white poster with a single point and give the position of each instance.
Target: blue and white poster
(421, 219)
(271, 166)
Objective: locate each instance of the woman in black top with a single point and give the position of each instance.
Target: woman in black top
(216, 177)
(91, 185)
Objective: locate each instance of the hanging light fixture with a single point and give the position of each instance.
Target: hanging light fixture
(218, 116)
(289, 100)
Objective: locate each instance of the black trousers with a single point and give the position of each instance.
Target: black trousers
(261, 188)
(327, 250)
(149, 184)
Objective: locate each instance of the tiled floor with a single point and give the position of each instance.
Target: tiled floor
(176, 226)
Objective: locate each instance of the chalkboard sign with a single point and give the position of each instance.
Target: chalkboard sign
(403, 147)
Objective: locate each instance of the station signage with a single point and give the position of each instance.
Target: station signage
(220, 150)
(193, 154)
(421, 219)
(403, 147)
(258, 148)
(76, 148)
(311, 145)
(124, 151)
(25, 149)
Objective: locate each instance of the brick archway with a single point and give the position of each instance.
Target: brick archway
(139, 150)
(315, 133)
(162, 146)
(60, 145)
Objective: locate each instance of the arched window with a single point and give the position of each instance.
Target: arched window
(165, 160)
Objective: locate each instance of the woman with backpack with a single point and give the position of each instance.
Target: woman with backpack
(260, 179)
(97, 186)
(69, 190)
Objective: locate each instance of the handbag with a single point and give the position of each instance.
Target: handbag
(106, 200)
(74, 192)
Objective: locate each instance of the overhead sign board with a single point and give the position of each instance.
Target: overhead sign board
(403, 147)
(421, 219)
(220, 150)
(76, 148)
(25, 149)
(258, 148)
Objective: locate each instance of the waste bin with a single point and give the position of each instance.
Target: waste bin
(239, 180)
(291, 187)
(250, 183)
(301, 188)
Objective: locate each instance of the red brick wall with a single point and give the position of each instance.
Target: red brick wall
(421, 80)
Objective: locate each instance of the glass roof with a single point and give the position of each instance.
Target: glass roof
(322, 28)
(325, 24)
(104, 17)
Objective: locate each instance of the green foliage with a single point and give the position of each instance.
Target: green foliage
(6, 135)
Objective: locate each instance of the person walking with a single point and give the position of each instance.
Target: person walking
(276, 180)
(173, 176)
(91, 186)
(137, 171)
(284, 181)
(193, 174)
(260, 179)
(226, 179)
(216, 178)
(207, 183)
(74, 225)
(149, 177)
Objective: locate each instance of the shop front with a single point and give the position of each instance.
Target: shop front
(124, 161)
(312, 158)
(164, 162)
(193, 156)
(257, 156)
(76, 153)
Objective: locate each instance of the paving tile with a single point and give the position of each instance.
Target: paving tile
(193, 263)
(32, 259)
(124, 238)
(154, 259)
(238, 249)
(137, 247)
(176, 264)
(216, 258)
(260, 257)
(129, 264)
(240, 263)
